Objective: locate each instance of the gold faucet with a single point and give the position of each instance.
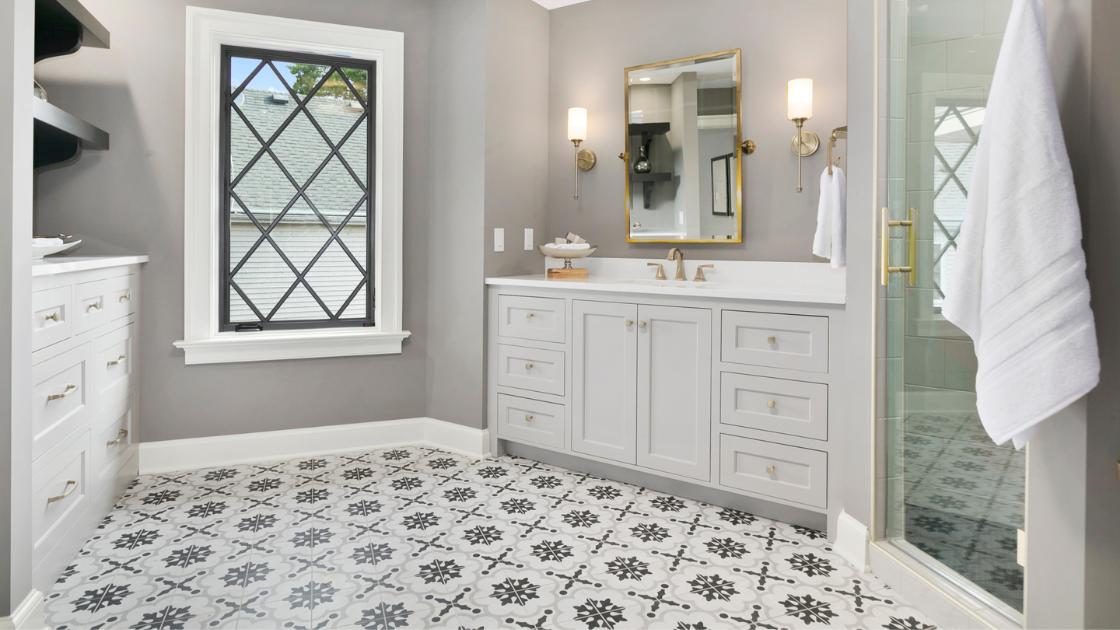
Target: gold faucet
(677, 255)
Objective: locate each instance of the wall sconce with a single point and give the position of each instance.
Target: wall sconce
(577, 133)
(799, 108)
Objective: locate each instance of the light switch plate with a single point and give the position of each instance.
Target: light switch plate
(529, 242)
(499, 239)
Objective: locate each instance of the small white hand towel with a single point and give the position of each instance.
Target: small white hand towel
(832, 218)
(575, 246)
(46, 242)
(1018, 285)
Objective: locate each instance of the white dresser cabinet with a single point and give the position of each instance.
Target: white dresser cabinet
(716, 386)
(84, 319)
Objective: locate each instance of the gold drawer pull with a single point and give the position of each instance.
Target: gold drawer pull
(53, 317)
(529, 417)
(71, 486)
(530, 315)
(124, 297)
(70, 389)
(771, 404)
(95, 306)
(772, 470)
(117, 361)
(772, 340)
(529, 366)
(121, 436)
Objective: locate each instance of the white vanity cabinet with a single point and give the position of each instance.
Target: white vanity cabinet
(84, 321)
(724, 388)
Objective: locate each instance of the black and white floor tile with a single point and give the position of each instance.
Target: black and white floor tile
(420, 538)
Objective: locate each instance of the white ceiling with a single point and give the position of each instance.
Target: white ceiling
(556, 4)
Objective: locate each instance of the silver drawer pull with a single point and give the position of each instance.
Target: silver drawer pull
(772, 340)
(71, 486)
(529, 417)
(53, 317)
(772, 470)
(70, 389)
(122, 435)
(770, 404)
(117, 361)
(94, 307)
(124, 297)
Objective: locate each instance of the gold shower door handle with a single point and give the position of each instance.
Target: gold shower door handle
(911, 245)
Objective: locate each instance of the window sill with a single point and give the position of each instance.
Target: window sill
(247, 347)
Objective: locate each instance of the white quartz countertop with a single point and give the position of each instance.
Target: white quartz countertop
(810, 283)
(69, 264)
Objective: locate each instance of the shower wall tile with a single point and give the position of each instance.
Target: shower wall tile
(925, 67)
(948, 19)
(969, 61)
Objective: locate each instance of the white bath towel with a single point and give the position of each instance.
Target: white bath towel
(832, 218)
(1018, 285)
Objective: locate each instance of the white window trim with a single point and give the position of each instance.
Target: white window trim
(207, 31)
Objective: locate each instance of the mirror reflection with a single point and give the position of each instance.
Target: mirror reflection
(683, 176)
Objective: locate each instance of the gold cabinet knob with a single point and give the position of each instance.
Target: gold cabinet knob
(530, 315)
(52, 317)
(121, 436)
(529, 417)
(95, 306)
(67, 490)
(771, 470)
(629, 323)
(770, 404)
(124, 297)
(529, 366)
(643, 325)
(772, 340)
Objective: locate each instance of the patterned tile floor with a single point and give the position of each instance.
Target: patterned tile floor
(420, 538)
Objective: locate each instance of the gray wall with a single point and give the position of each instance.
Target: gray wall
(130, 199)
(591, 43)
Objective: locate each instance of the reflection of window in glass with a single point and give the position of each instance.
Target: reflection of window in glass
(956, 131)
(297, 136)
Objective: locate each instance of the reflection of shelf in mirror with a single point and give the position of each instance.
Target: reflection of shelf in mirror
(640, 129)
(647, 180)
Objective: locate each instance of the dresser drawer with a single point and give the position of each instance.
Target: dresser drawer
(531, 368)
(531, 421)
(59, 492)
(774, 404)
(90, 305)
(112, 364)
(540, 319)
(793, 342)
(111, 442)
(60, 398)
(775, 470)
(120, 296)
(52, 316)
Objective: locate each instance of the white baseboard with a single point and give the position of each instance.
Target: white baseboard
(28, 615)
(851, 540)
(225, 450)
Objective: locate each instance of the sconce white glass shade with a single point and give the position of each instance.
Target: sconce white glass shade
(577, 124)
(799, 99)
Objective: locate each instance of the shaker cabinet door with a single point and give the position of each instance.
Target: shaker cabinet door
(604, 352)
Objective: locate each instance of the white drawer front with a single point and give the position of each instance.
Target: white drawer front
(776, 470)
(112, 364)
(60, 398)
(793, 342)
(111, 443)
(120, 296)
(90, 305)
(52, 316)
(774, 404)
(540, 319)
(531, 368)
(531, 421)
(59, 491)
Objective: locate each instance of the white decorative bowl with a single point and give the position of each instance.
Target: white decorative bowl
(39, 251)
(563, 253)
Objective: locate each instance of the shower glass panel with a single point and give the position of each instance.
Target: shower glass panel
(954, 499)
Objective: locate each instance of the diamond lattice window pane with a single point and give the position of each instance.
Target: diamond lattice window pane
(265, 102)
(302, 77)
(265, 190)
(242, 145)
(334, 277)
(353, 235)
(357, 308)
(301, 148)
(300, 306)
(336, 107)
(334, 192)
(264, 278)
(239, 312)
(242, 235)
(300, 235)
(355, 151)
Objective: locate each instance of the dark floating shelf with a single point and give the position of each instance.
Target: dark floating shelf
(61, 137)
(64, 26)
(652, 177)
(641, 129)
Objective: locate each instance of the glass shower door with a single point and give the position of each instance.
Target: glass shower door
(954, 498)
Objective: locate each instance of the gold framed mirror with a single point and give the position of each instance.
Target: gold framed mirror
(684, 175)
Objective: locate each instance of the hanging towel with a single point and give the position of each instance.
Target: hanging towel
(1018, 285)
(832, 221)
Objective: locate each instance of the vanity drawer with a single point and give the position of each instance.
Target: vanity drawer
(793, 342)
(90, 305)
(774, 404)
(60, 398)
(51, 316)
(540, 319)
(531, 368)
(111, 442)
(775, 470)
(120, 293)
(531, 421)
(59, 492)
(112, 364)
